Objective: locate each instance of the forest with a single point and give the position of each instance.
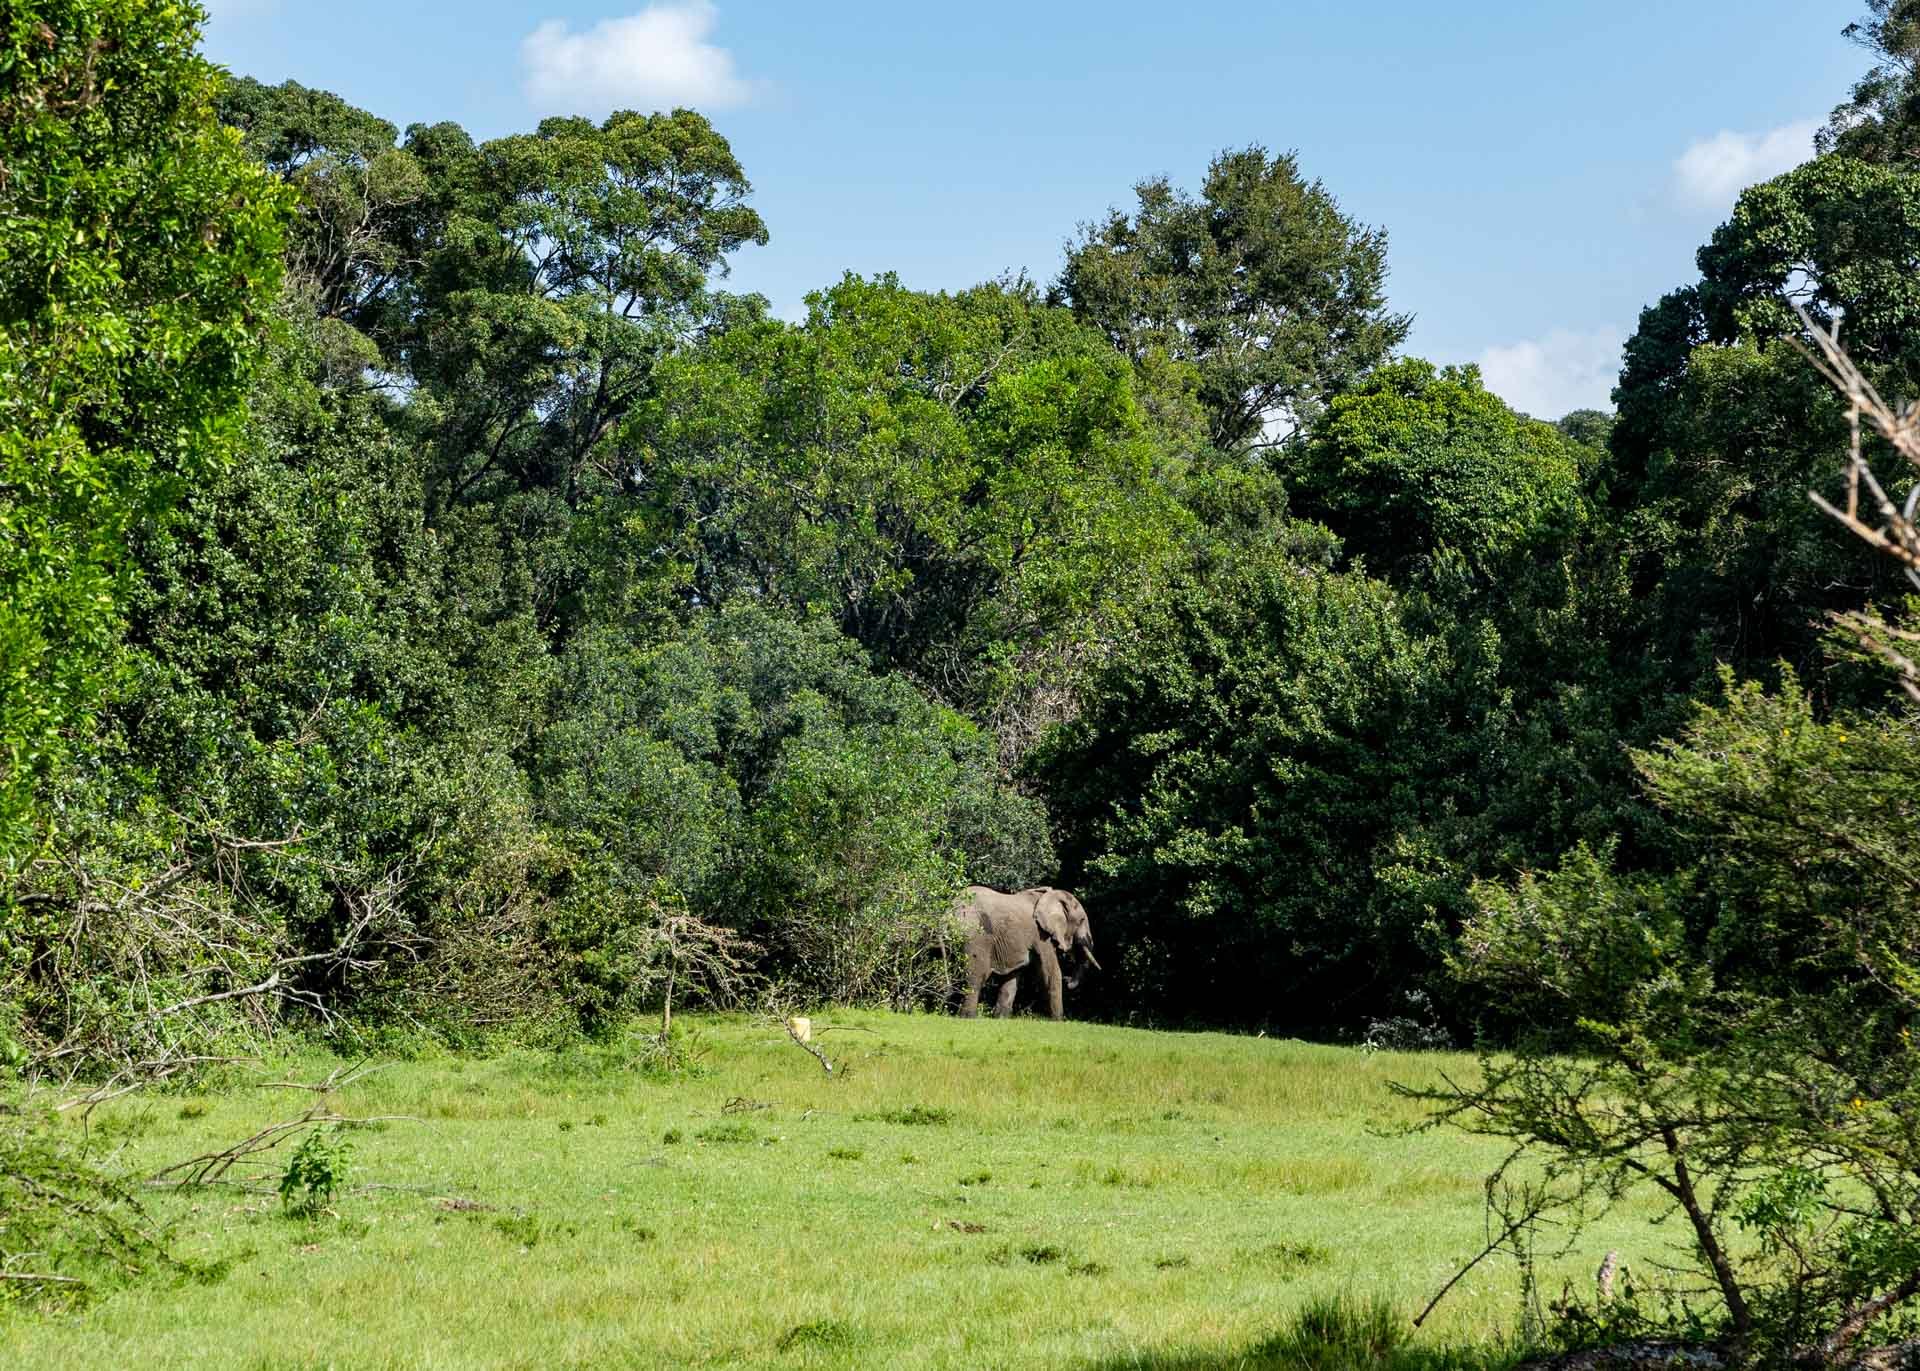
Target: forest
(434, 610)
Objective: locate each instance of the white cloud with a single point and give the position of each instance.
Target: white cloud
(1712, 172)
(653, 60)
(1552, 376)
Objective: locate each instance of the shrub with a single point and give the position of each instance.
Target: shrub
(315, 1171)
(756, 770)
(1340, 1333)
(1735, 1034)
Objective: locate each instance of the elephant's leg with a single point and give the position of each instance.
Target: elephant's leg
(1009, 988)
(979, 967)
(1050, 972)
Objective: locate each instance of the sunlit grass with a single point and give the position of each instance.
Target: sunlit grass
(976, 1193)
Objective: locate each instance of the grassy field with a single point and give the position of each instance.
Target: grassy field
(966, 1194)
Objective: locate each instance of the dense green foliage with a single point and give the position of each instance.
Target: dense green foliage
(1261, 284)
(1742, 1022)
(139, 251)
(758, 767)
(1431, 479)
(1723, 427)
(546, 612)
(1238, 785)
(1319, 733)
(960, 482)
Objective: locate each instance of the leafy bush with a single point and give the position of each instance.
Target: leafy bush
(757, 770)
(1739, 1028)
(126, 343)
(315, 1171)
(1248, 802)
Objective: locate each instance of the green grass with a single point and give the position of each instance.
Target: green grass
(968, 1193)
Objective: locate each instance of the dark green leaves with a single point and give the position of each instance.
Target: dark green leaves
(949, 477)
(1260, 282)
(1416, 463)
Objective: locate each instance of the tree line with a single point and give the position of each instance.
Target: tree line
(425, 583)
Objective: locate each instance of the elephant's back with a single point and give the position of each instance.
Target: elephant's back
(977, 904)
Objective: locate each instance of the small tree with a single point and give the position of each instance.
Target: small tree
(1737, 1034)
(854, 869)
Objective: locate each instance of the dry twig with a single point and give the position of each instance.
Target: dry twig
(1870, 514)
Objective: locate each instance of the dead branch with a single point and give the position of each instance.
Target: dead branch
(1877, 521)
(194, 954)
(778, 1007)
(211, 1168)
(39, 1277)
(336, 1079)
(806, 1046)
(271, 983)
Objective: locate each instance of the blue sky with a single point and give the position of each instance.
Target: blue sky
(1543, 169)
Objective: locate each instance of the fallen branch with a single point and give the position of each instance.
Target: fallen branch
(1632, 1356)
(211, 1168)
(336, 1079)
(140, 1075)
(778, 1006)
(805, 1046)
(270, 983)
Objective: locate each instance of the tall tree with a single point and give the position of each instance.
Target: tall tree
(1260, 281)
(348, 248)
(139, 252)
(1880, 119)
(1723, 427)
(1419, 466)
(564, 263)
(952, 478)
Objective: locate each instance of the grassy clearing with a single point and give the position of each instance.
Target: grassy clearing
(976, 1193)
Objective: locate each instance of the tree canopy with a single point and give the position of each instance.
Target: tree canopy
(524, 599)
(1275, 297)
(139, 254)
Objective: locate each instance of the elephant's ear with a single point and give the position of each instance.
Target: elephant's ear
(1055, 921)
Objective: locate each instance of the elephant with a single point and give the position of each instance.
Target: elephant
(1007, 932)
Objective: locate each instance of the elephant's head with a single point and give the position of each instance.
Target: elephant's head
(1063, 922)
